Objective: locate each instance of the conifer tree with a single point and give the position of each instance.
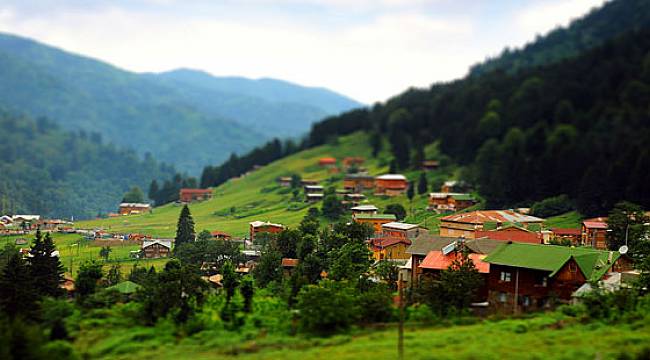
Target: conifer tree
(185, 228)
(422, 183)
(45, 267)
(17, 295)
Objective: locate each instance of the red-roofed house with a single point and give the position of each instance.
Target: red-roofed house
(257, 227)
(467, 224)
(220, 235)
(572, 235)
(190, 195)
(391, 184)
(436, 261)
(327, 161)
(512, 233)
(389, 248)
(594, 232)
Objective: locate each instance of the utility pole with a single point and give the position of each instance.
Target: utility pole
(400, 328)
(516, 291)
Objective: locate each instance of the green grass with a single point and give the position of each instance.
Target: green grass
(545, 336)
(257, 197)
(569, 220)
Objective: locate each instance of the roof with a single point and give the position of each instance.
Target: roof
(566, 232)
(134, 205)
(384, 242)
(498, 216)
(512, 233)
(26, 217)
(435, 260)
(327, 160)
(195, 191)
(288, 262)
(314, 187)
(164, 242)
(595, 224)
(424, 243)
(256, 224)
(219, 233)
(375, 217)
(391, 177)
(399, 226)
(593, 263)
(364, 208)
(125, 287)
(482, 245)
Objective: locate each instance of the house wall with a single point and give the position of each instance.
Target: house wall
(375, 223)
(391, 187)
(452, 229)
(264, 229)
(396, 251)
(596, 238)
(155, 251)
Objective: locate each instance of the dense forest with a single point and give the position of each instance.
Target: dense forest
(48, 171)
(577, 127)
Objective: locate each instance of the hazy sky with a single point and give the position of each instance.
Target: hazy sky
(366, 49)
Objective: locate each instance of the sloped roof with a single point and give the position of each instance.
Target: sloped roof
(595, 224)
(195, 191)
(593, 263)
(164, 242)
(256, 224)
(387, 241)
(498, 216)
(435, 260)
(567, 232)
(482, 245)
(512, 233)
(399, 225)
(391, 177)
(424, 243)
(364, 208)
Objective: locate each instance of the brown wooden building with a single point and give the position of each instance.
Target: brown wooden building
(467, 224)
(594, 233)
(191, 195)
(358, 182)
(134, 208)
(257, 227)
(391, 184)
(153, 249)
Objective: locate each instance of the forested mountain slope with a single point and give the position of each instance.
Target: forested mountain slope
(150, 113)
(611, 20)
(47, 171)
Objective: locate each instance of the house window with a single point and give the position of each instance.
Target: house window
(506, 276)
(542, 281)
(573, 268)
(503, 297)
(525, 300)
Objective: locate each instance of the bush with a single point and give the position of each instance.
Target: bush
(327, 307)
(552, 206)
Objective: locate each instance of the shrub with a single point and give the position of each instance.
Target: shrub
(327, 307)
(552, 206)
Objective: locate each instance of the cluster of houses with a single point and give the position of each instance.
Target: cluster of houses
(185, 196)
(20, 224)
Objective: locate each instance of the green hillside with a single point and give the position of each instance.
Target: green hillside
(257, 196)
(155, 113)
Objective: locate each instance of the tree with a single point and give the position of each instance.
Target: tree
(310, 224)
(87, 278)
(105, 251)
(45, 267)
(268, 269)
(204, 235)
(135, 195)
(332, 207)
(230, 281)
(327, 307)
(247, 291)
(349, 262)
(397, 210)
(114, 275)
(153, 189)
(295, 181)
(185, 228)
(388, 272)
(626, 219)
(287, 241)
(18, 297)
(376, 143)
(422, 183)
(460, 281)
(410, 194)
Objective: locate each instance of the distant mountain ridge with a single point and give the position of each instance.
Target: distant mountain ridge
(159, 114)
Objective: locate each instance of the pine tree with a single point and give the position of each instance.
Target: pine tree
(17, 295)
(45, 267)
(422, 183)
(230, 281)
(153, 190)
(185, 228)
(247, 290)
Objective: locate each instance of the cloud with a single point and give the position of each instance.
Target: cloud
(542, 17)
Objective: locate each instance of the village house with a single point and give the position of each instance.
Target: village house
(528, 277)
(353, 161)
(313, 189)
(156, 248)
(512, 233)
(467, 224)
(573, 236)
(358, 182)
(55, 225)
(327, 162)
(442, 201)
(594, 233)
(454, 186)
(391, 184)
(312, 198)
(288, 265)
(191, 195)
(374, 220)
(284, 181)
(428, 165)
(134, 208)
(400, 230)
(220, 235)
(261, 227)
(364, 209)
(389, 248)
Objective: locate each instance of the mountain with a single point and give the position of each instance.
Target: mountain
(609, 21)
(159, 114)
(577, 126)
(48, 171)
(259, 103)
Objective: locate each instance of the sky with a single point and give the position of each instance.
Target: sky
(369, 50)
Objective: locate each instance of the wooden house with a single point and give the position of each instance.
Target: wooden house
(134, 208)
(351, 161)
(391, 184)
(305, 182)
(374, 220)
(594, 233)
(527, 277)
(400, 230)
(467, 224)
(191, 195)
(327, 162)
(364, 209)
(389, 248)
(257, 227)
(512, 233)
(444, 201)
(312, 198)
(284, 181)
(288, 265)
(574, 236)
(156, 248)
(358, 182)
(220, 235)
(313, 189)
